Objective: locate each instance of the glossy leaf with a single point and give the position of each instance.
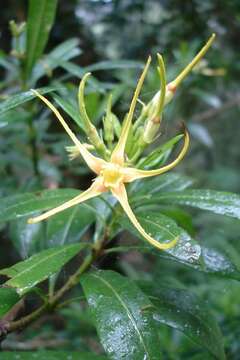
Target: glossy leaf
(69, 226)
(143, 190)
(15, 100)
(8, 298)
(217, 263)
(26, 274)
(211, 261)
(182, 310)
(27, 238)
(15, 206)
(164, 229)
(41, 16)
(222, 203)
(49, 355)
(117, 305)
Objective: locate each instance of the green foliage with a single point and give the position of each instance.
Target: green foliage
(113, 295)
(50, 355)
(26, 274)
(9, 297)
(184, 311)
(127, 331)
(40, 20)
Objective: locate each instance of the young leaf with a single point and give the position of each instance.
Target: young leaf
(50, 355)
(118, 306)
(26, 274)
(222, 203)
(41, 16)
(183, 311)
(8, 298)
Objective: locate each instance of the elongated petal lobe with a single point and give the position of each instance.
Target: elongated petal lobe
(94, 190)
(121, 194)
(93, 162)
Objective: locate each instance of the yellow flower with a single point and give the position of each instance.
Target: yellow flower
(112, 175)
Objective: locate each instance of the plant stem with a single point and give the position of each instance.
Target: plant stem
(52, 303)
(33, 143)
(72, 281)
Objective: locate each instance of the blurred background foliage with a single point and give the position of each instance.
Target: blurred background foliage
(32, 154)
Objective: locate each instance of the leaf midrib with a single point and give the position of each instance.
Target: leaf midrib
(37, 264)
(131, 317)
(158, 225)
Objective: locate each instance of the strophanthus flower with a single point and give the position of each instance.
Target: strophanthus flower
(113, 173)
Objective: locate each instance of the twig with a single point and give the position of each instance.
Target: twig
(52, 303)
(211, 113)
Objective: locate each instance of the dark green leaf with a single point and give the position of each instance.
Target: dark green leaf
(182, 218)
(13, 207)
(26, 274)
(49, 355)
(216, 201)
(8, 298)
(69, 226)
(142, 190)
(183, 311)
(117, 305)
(27, 238)
(217, 263)
(164, 229)
(18, 99)
(211, 261)
(41, 16)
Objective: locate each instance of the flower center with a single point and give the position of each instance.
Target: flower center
(112, 175)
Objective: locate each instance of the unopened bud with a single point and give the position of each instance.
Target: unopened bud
(151, 130)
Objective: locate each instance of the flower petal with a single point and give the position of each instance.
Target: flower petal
(174, 84)
(131, 174)
(93, 162)
(118, 152)
(121, 194)
(94, 190)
